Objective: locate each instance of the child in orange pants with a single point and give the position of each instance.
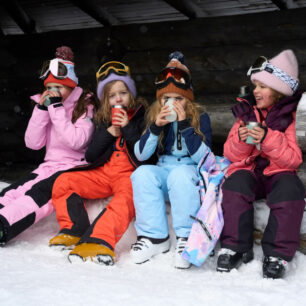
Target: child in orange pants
(112, 161)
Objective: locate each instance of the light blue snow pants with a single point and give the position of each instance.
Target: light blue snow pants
(152, 186)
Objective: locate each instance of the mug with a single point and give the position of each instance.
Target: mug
(250, 125)
(116, 109)
(173, 116)
(47, 101)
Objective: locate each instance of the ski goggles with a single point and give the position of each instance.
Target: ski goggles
(262, 64)
(58, 69)
(173, 74)
(115, 67)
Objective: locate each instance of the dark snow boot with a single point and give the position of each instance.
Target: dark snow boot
(274, 267)
(228, 259)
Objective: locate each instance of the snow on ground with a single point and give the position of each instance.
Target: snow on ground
(33, 274)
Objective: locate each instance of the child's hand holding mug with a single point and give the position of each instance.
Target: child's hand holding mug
(161, 118)
(119, 116)
(50, 93)
(243, 131)
(171, 106)
(256, 132)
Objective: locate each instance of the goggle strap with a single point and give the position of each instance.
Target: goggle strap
(283, 76)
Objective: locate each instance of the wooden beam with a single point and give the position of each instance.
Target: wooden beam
(285, 4)
(94, 10)
(23, 20)
(188, 8)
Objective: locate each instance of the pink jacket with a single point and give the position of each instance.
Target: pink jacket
(65, 141)
(281, 149)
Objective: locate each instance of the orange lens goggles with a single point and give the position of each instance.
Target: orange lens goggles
(180, 77)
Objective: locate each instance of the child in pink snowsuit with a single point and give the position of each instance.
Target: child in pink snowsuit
(61, 122)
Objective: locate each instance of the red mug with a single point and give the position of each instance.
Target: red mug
(116, 109)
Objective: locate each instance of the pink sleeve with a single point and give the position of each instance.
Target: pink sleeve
(36, 132)
(234, 149)
(74, 135)
(283, 148)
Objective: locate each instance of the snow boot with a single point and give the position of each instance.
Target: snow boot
(93, 251)
(228, 259)
(144, 249)
(274, 267)
(64, 242)
(179, 261)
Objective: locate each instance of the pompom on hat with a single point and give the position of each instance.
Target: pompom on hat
(286, 62)
(176, 60)
(65, 56)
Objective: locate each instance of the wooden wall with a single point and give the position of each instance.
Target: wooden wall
(218, 52)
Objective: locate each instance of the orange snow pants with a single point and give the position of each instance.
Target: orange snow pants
(112, 179)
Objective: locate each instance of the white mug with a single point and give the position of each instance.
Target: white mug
(173, 116)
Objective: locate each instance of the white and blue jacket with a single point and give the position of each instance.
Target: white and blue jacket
(180, 140)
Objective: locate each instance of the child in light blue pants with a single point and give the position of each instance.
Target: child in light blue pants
(179, 145)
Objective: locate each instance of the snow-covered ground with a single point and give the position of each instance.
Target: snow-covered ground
(33, 274)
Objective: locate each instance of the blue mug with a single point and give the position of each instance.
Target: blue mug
(47, 101)
(250, 125)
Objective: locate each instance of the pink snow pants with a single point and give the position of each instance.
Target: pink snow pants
(28, 200)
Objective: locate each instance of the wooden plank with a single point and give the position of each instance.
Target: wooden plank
(283, 27)
(20, 16)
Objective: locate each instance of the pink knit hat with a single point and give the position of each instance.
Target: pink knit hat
(286, 61)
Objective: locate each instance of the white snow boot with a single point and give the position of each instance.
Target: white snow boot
(179, 261)
(143, 250)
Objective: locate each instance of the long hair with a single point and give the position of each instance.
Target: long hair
(104, 111)
(86, 99)
(192, 109)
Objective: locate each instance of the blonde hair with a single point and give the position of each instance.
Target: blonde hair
(192, 109)
(104, 112)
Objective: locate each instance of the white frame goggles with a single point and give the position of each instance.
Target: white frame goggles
(60, 69)
(262, 64)
(56, 67)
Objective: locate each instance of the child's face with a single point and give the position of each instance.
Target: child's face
(119, 94)
(265, 96)
(64, 90)
(178, 98)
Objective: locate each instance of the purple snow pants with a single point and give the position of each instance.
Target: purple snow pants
(285, 197)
